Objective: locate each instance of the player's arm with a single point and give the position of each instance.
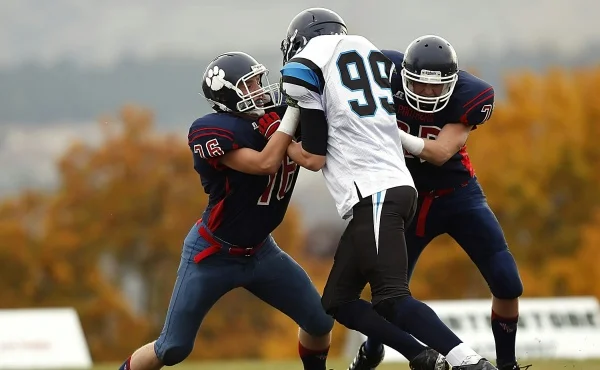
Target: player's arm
(453, 136)
(310, 153)
(267, 161)
(302, 86)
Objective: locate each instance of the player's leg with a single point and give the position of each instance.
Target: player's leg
(280, 281)
(415, 244)
(197, 288)
(477, 230)
(383, 261)
(341, 298)
(417, 240)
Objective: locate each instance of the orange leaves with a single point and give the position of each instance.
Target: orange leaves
(19, 275)
(533, 155)
(585, 273)
(444, 271)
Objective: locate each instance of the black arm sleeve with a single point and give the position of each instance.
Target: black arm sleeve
(313, 125)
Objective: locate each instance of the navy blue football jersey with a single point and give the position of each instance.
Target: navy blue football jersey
(242, 209)
(471, 103)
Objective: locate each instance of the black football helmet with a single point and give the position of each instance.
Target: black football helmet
(307, 24)
(429, 60)
(225, 85)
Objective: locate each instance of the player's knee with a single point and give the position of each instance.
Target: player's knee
(329, 305)
(504, 279)
(348, 314)
(385, 308)
(388, 307)
(175, 354)
(319, 324)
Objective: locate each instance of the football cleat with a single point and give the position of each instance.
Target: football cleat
(514, 367)
(483, 364)
(429, 359)
(362, 362)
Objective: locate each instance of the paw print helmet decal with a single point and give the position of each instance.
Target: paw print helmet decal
(236, 82)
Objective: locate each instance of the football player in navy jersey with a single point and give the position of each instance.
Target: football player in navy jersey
(437, 106)
(239, 152)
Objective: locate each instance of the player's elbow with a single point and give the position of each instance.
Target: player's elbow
(439, 160)
(268, 167)
(314, 163)
(313, 167)
(268, 163)
(440, 153)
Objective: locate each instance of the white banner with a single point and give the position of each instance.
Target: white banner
(42, 338)
(566, 328)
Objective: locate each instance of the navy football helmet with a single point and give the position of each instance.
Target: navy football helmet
(429, 60)
(230, 84)
(308, 24)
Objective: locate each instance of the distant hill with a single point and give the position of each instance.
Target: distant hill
(65, 92)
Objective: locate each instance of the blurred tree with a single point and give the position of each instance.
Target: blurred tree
(577, 274)
(41, 268)
(121, 213)
(132, 199)
(21, 275)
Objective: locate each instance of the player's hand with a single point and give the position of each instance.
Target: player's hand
(268, 124)
(291, 102)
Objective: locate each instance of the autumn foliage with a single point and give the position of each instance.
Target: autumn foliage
(108, 240)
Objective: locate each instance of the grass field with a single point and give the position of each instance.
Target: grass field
(342, 365)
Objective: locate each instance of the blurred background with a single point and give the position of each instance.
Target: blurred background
(97, 188)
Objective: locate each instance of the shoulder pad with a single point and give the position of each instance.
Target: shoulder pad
(319, 50)
(213, 135)
(303, 72)
(395, 56)
(396, 79)
(473, 100)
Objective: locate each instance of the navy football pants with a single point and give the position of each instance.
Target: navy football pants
(465, 215)
(270, 274)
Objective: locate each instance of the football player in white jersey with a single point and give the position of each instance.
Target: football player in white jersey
(341, 84)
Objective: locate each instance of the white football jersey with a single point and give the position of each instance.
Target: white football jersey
(347, 77)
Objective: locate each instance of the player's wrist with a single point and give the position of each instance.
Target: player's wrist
(289, 122)
(413, 144)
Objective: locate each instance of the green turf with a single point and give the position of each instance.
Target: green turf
(342, 365)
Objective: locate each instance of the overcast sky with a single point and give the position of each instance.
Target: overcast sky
(102, 31)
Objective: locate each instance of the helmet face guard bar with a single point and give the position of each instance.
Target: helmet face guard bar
(428, 104)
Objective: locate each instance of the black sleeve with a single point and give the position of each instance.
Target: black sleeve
(313, 125)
